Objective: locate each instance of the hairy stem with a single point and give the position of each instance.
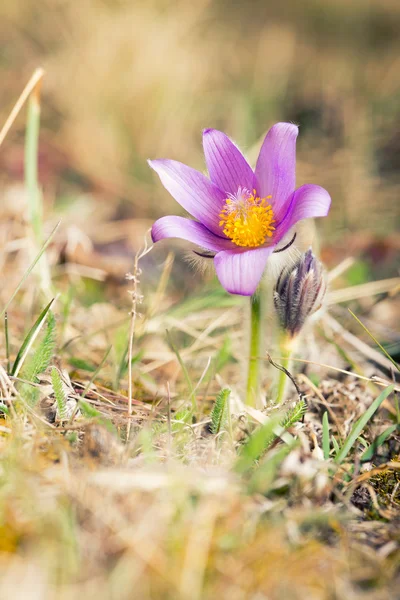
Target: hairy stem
(253, 374)
(287, 347)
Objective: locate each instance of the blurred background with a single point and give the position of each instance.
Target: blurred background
(129, 80)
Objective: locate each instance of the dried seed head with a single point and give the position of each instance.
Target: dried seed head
(299, 293)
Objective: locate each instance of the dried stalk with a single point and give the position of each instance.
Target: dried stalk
(136, 298)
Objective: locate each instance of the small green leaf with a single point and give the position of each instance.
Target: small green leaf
(43, 354)
(38, 362)
(294, 414)
(81, 364)
(59, 393)
(30, 338)
(219, 413)
(88, 410)
(325, 435)
(185, 372)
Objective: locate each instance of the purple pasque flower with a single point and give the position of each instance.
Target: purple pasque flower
(241, 215)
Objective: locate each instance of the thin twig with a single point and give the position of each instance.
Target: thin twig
(284, 370)
(377, 380)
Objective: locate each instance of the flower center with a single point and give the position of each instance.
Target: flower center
(247, 219)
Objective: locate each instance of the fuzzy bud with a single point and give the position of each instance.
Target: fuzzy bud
(299, 293)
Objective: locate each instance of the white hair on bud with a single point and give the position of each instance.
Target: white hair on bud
(204, 266)
(305, 233)
(278, 261)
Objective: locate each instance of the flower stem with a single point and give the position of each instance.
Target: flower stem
(286, 348)
(253, 375)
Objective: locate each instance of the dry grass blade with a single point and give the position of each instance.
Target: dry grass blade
(378, 381)
(30, 86)
(395, 465)
(341, 268)
(374, 339)
(357, 344)
(364, 290)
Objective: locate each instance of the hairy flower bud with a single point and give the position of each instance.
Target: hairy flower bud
(299, 293)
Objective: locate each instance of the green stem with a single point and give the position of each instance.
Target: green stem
(253, 375)
(287, 345)
(35, 202)
(31, 166)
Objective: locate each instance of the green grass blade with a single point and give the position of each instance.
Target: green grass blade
(264, 475)
(209, 298)
(256, 445)
(361, 423)
(30, 269)
(97, 371)
(31, 165)
(370, 451)
(30, 338)
(88, 411)
(325, 435)
(185, 372)
(35, 200)
(375, 340)
(7, 342)
(335, 445)
(122, 366)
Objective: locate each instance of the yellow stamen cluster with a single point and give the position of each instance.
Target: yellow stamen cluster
(247, 219)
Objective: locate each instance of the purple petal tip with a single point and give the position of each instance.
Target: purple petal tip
(285, 126)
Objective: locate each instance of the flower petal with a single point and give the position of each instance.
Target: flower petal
(306, 202)
(240, 272)
(192, 231)
(199, 196)
(226, 165)
(276, 166)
